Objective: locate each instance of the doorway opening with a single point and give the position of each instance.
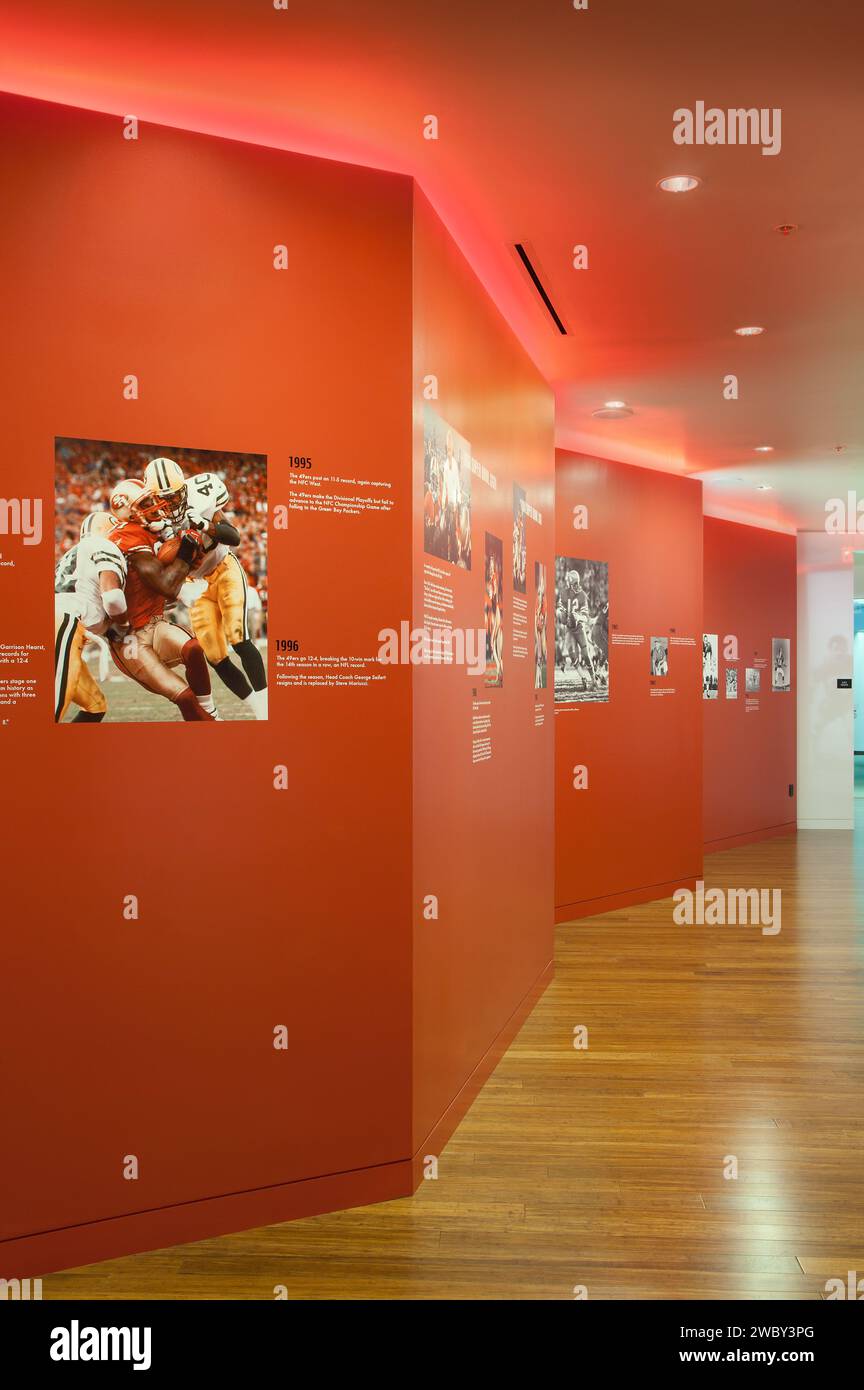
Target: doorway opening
(858, 684)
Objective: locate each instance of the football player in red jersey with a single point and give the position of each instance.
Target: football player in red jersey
(152, 649)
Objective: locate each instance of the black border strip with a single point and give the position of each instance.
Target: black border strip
(526, 261)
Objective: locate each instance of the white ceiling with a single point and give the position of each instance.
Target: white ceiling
(554, 127)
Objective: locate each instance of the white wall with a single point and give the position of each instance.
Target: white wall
(858, 675)
(825, 714)
(858, 691)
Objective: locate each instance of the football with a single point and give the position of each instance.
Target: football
(168, 550)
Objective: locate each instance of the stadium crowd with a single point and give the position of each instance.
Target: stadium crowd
(87, 471)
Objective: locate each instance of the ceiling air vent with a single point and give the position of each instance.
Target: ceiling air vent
(538, 285)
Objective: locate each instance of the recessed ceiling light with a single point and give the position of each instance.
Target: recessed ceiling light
(763, 449)
(612, 410)
(764, 487)
(749, 332)
(679, 183)
(614, 405)
(787, 228)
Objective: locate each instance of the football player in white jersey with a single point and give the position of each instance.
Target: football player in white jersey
(219, 594)
(100, 575)
(90, 599)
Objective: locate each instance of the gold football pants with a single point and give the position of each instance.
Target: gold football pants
(219, 616)
(148, 655)
(73, 683)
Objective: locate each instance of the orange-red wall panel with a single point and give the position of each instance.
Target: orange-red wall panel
(750, 747)
(483, 816)
(260, 907)
(635, 831)
(257, 907)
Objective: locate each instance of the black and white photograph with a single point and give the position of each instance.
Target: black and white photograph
(731, 682)
(493, 611)
(781, 668)
(659, 656)
(540, 615)
(446, 492)
(581, 631)
(752, 680)
(710, 682)
(520, 542)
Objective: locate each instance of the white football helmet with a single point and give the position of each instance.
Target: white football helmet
(97, 524)
(163, 505)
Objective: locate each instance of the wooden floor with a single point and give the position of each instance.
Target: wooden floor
(605, 1167)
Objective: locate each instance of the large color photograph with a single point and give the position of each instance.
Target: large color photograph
(581, 631)
(446, 492)
(160, 584)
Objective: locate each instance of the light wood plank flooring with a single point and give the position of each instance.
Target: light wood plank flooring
(605, 1167)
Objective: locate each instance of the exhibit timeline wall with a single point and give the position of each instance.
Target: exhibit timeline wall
(173, 897)
(750, 716)
(483, 737)
(209, 937)
(627, 684)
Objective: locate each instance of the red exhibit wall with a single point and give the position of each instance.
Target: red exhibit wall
(257, 907)
(280, 868)
(634, 833)
(750, 745)
(483, 754)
